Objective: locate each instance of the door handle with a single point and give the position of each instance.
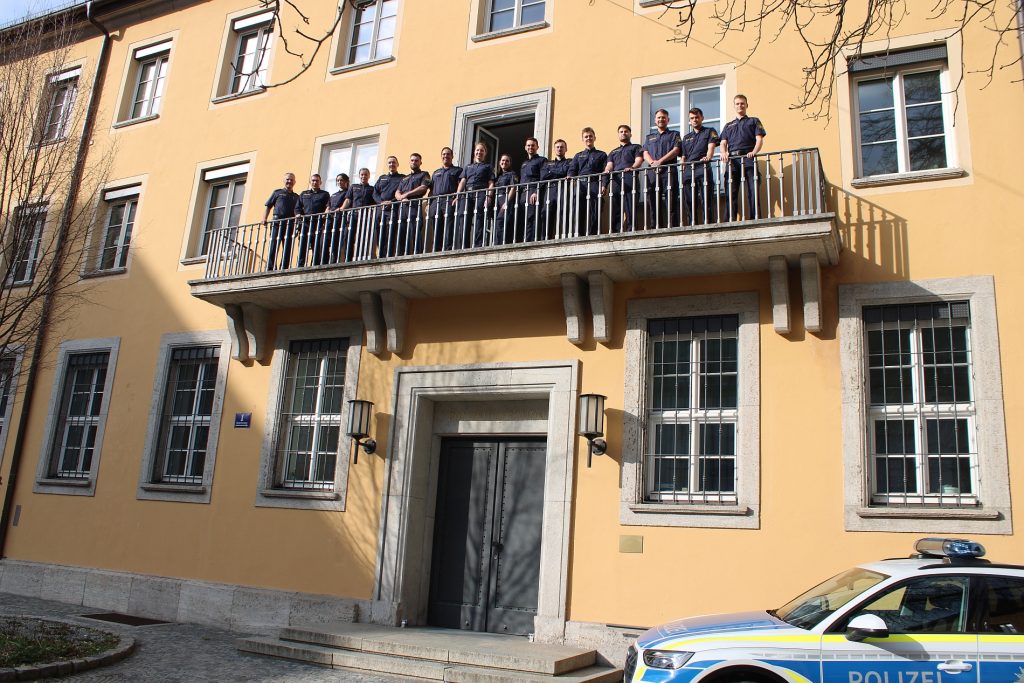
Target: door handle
(496, 548)
(955, 666)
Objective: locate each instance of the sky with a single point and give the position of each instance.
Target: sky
(14, 10)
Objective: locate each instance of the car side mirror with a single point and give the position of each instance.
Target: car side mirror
(866, 626)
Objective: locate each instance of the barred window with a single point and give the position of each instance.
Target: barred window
(310, 420)
(81, 408)
(921, 411)
(186, 415)
(692, 419)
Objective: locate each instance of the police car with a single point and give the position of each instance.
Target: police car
(943, 615)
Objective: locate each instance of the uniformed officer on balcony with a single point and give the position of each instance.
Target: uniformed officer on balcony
(549, 197)
(359, 223)
(386, 218)
(336, 222)
(622, 164)
(530, 193)
(661, 152)
(585, 166)
(741, 141)
(477, 180)
(413, 187)
(283, 203)
(698, 180)
(505, 201)
(440, 212)
(313, 230)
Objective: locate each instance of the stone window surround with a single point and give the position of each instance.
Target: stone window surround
(199, 203)
(269, 496)
(994, 517)
(16, 353)
(183, 493)
(129, 79)
(86, 487)
(536, 103)
(633, 511)
(338, 64)
(479, 16)
(221, 90)
(400, 587)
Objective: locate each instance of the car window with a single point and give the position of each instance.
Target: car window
(810, 608)
(932, 604)
(1003, 605)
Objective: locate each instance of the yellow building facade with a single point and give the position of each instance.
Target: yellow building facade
(808, 386)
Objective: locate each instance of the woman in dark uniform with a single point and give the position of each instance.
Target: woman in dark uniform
(475, 185)
(505, 201)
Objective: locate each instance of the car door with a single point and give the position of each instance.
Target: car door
(927, 642)
(1000, 625)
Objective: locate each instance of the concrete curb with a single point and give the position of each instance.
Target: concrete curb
(125, 646)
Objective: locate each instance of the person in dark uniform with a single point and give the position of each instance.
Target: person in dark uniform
(312, 231)
(622, 164)
(699, 198)
(440, 213)
(336, 222)
(661, 152)
(549, 197)
(529, 194)
(359, 219)
(585, 166)
(413, 187)
(283, 203)
(505, 201)
(741, 141)
(386, 217)
(476, 182)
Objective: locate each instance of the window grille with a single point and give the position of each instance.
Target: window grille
(186, 415)
(81, 406)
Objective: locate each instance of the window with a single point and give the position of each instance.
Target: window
(59, 103)
(306, 454)
(901, 122)
(373, 32)
(692, 415)
(225, 195)
(311, 413)
(151, 75)
(691, 444)
(117, 232)
(921, 406)
(923, 428)
(81, 408)
(26, 243)
(186, 415)
(248, 55)
(503, 15)
(347, 157)
(7, 374)
(679, 98)
(1002, 606)
(932, 604)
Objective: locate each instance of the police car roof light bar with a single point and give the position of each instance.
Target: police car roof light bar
(959, 548)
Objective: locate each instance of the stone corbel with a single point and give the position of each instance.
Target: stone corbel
(572, 300)
(247, 327)
(810, 282)
(396, 309)
(373, 321)
(602, 291)
(779, 272)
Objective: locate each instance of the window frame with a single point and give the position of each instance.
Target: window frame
(154, 98)
(270, 493)
(13, 355)
(85, 486)
(230, 181)
(149, 488)
(39, 213)
(354, 143)
(900, 115)
(993, 512)
(129, 197)
(240, 25)
(65, 81)
(343, 59)
(634, 509)
(517, 12)
(684, 86)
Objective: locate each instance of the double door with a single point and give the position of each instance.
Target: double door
(487, 531)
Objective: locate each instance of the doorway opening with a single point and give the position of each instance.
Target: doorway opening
(485, 570)
(505, 137)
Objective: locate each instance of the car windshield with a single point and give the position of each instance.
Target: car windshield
(809, 609)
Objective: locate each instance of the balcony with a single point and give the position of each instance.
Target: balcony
(580, 234)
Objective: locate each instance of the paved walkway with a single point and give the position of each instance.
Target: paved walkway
(184, 653)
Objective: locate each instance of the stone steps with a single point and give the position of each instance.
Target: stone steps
(433, 654)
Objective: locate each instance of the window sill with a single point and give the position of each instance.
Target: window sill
(482, 37)
(361, 65)
(71, 483)
(238, 95)
(928, 513)
(300, 494)
(103, 273)
(688, 509)
(197, 489)
(132, 122)
(912, 177)
(20, 283)
(646, 4)
(193, 261)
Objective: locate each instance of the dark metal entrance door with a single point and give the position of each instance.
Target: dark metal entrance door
(486, 561)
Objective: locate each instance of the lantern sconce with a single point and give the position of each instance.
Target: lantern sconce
(359, 415)
(592, 424)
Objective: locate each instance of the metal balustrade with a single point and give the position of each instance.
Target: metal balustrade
(705, 195)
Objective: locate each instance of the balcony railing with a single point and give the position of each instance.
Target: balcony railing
(719, 193)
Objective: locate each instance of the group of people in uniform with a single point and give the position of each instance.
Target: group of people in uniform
(461, 203)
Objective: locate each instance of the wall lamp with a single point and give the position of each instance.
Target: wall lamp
(592, 424)
(359, 415)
